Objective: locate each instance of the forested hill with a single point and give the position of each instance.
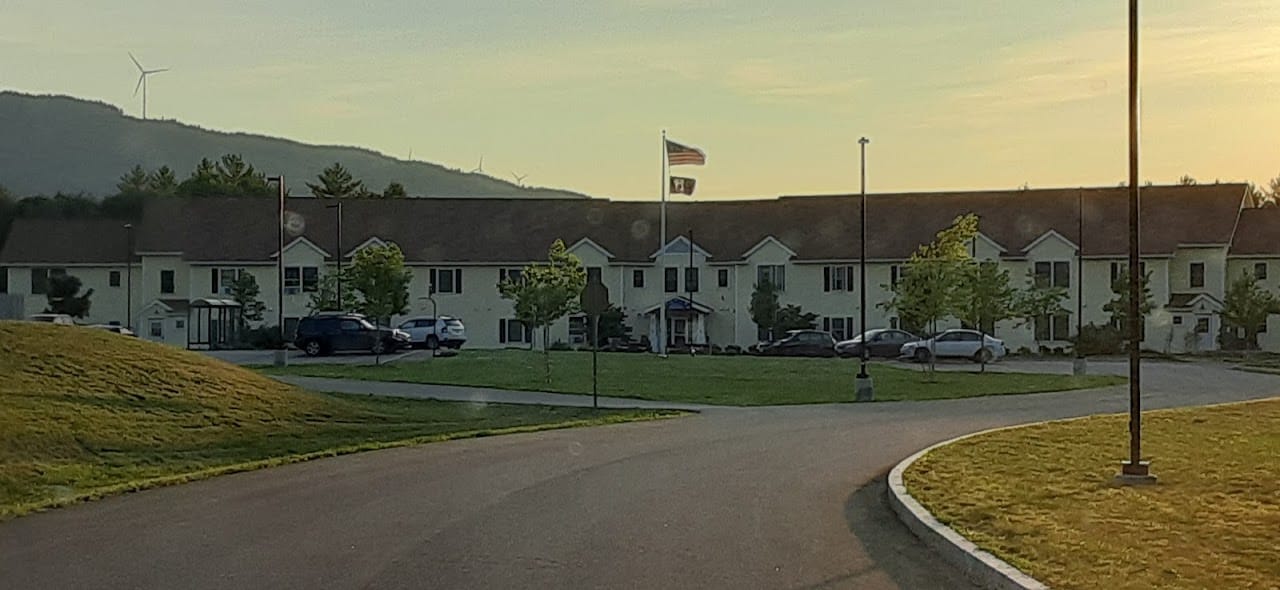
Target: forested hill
(58, 143)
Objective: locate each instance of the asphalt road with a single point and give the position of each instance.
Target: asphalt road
(732, 498)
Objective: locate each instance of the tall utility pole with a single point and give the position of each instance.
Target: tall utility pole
(279, 180)
(688, 286)
(863, 388)
(1079, 365)
(128, 276)
(338, 206)
(1134, 470)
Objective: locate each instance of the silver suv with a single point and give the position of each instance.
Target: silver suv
(435, 332)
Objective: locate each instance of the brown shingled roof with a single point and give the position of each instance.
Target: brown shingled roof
(1257, 233)
(815, 227)
(66, 241)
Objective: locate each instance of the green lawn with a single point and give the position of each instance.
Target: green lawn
(1041, 497)
(85, 413)
(724, 380)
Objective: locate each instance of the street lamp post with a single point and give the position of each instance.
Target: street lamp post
(863, 388)
(279, 180)
(128, 276)
(1079, 366)
(338, 206)
(1135, 470)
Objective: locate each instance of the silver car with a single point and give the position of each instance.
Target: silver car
(970, 344)
(434, 333)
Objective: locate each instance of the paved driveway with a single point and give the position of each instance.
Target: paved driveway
(729, 498)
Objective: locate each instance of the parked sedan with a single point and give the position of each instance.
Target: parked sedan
(802, 343)
(956, 344)
(881, 342)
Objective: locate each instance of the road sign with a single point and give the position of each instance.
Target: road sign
(595, 298)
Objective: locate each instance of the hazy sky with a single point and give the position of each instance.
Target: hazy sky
(954, 94)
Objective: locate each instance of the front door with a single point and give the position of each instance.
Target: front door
(679, 331)
(1204, 333)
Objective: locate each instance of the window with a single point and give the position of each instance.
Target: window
(180, 324)
(166, 282)
(510, 274)
(1119, 267)
(837, 278)
(511, 331)
(1202, 325)
(1177, 320)
(222, 279)
(578, 329)
(637, 278)
(840, 328)
(691, 275)
(593, 274)
(893, 322)
(4, 280)
(774, 273)
(113, 279)
(40, 279)
(1197, 275)
(156, 328)
(292, 280)
(896, 273)
(670, 280)
(445, 280)
(1055, 327)
(1053, 274)
(1260, 271)
(310, 279)
(722, 278)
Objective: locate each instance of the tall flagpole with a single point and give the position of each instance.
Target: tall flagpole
(662, 250)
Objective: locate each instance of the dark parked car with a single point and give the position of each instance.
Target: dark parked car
(881, 342)
(802, 343)
(329, 333)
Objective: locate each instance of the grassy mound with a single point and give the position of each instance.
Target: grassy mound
(1041, 498)
(86, 412)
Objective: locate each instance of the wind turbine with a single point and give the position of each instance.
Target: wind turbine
(519, 178)
(142, 82)
(479, 168)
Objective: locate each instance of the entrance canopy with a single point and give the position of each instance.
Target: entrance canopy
(681, 304)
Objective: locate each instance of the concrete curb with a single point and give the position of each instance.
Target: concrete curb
(979, 566)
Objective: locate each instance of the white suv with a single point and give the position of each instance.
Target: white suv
(435, 332)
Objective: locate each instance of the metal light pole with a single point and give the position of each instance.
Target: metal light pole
(128, 276)
(863, 388)
(279, 180)
(1079, 366)
(338, 206)
(688, 285)
(1135, 470)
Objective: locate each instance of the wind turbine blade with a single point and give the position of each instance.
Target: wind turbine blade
(135, 61)
(140, 79)
(157, 71)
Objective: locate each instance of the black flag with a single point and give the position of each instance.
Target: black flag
(682, 186)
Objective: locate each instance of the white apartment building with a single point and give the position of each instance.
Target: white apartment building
(186, 251)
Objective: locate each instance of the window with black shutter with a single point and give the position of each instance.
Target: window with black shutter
(691, 276)
(671, 279)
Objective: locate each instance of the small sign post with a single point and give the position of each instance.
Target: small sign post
(595, 301)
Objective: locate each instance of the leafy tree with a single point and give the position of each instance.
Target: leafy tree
(245, 292)
(394, 190)
(1246, 307)
(337, 183)
(64, 298)
(239, 179)
(325, 297)
(1255, 196)
(928, 291)
(1039, 302)
(162, 182)
(547, 292)
(203, 182)
(134, 181)
(1187, 180)
(985, 297)
(1118, 307)
(764, 306)
(380, 281)
(791, 317)
(612, 325)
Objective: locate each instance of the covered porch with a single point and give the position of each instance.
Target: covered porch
(686, 323)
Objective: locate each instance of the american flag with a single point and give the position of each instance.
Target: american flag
(682, 155)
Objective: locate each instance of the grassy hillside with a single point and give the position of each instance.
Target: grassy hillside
(60, 143)
(85, 413)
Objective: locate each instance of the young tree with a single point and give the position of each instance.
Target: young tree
(238, 179)
(325, 297)
(1187, 180)
(203, 182)
(378, 277)
(162, 182)
(1118, 307)
(245, 292)
(764, 307)
(394, 190)
(64, 298)
(547, 292)
(1246, 307)
(612, 325)
(791, 317)
(927, 291)
(984, 297)
(1039, 303)
(133, 181)
(337, 183)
